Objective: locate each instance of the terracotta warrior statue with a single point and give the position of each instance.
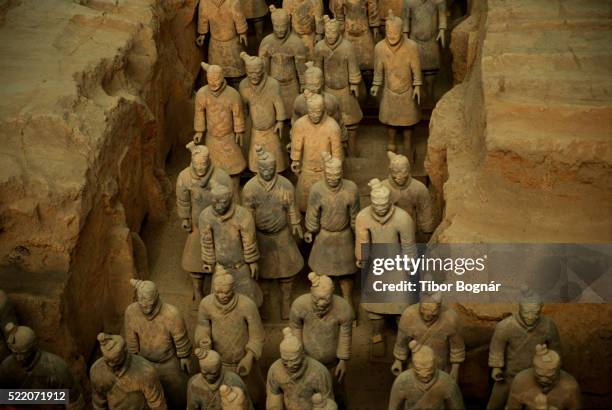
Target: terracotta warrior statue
(284, 55)
(229, 323)
(193, 195)
(324, 324)
(397, 67)
(514, 340)
(233, 398)
(383, 222)
(333, 205)
(156, 331)
(29, 367)
(545, 385)
(424, 385)
(335, 56)
(218, 112)
(409, 193)
(261, 93)
(271, 199)
(432, 324)
(306, 21)
(204, 389)
(360, 22)
(321, 403)
(225, 21)
(295, 377)
(228, 241)
(124, 381)
(7, 315)
(310, 135)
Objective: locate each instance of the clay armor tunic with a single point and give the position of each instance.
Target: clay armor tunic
(285, 61)
(396, 227)
(161, 339)
(399, 69)
(340, 70)
(413, 198)
(442, 337)
(274, 209)
(332, 108)
(297, 389)
(326, 338)
(266, 108)
(192, 197)
(306, 21)
(565, 395)
(426, 18)
(135, 387)
(358, 17)
(308, 140)
(225, 20)
(220, 115)
(202, 395)
(331, 213)
(441, 393)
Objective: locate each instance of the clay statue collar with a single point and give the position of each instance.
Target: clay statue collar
(202, 181)
(524, 325)
(227, 307)
(124, 368)
(295, 377)
(397, 186)
(155, 311)
(34, 361)
(218, 3)
(426, 386)
(258, 88)
(383, 219)
(267, 185)
(397, 46)
(336, 44)
(228, 214)
(220, 90)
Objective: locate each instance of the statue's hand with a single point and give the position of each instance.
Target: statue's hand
(207, 268)
(455, 371)
(297, 231)
(186, 224)
(239, 138)
(359, 264)
(354, 88)
(416, 94)
(185, 363)
(340, 370)
(497, 374)
(200, 40)
(295, 167)
(245, 365)
(374, 90)
(278, 129)
(442, 37)
(254, 270)
(197, 138)
(396, 367)
(243, 39)
(308, 237)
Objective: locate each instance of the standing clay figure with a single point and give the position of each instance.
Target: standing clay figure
(225, 21)
(229, 323)
(382, 222)
(544, 385)
(284, 55)
(428, 27)
(7, 315)
(204, 389)
(29, 367)
(397, 67)
(360, 21)
(218, 112)
(228, 242)
(424, 386)
(432, 324)
(336, 57)
(321, 403)
(124, 381)
(193, 195)
(324, 324)
(513, 343)
(295, 377)
(312, 134)
(156, 331)
(333, 205)
(271, 199)
(232, 398)
(306, 21)
(262, 95)
(409, 193)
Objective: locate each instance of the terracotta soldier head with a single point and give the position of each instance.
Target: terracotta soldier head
(200, 158)
(21, 341)
(399, 168)
(546, 367)
(333, 169)
(223, 287)
(232, 398)
(254, 68)
(332, 30)
(530, 307)
(430, 307)
(280, 22)
(379, 198)
(221, 198)
(394, 29)
(423, 361)
(313, 78)
(321, 292)
(210, 364)
(114, 350)
(214, 76)
(291, 352)
(147, 296)
(316, 106)
(266, 163)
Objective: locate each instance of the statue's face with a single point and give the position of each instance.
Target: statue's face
(292, 362)
(200, 164)
(280, 29)
(315, 112)
(255, 74)
(546, 377)
(147, 301)
(400, 175)
(215, 79)
(314, 84)
(322, 301)
(331, 33)
(381, 207)
(266, 170)
(211, 372)
(530, 312)
(424, 371)
(224, 293)
(429, 311)
(24, 356)
(394, 33)
(115, 361)
(333, 177)
(221, 203)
